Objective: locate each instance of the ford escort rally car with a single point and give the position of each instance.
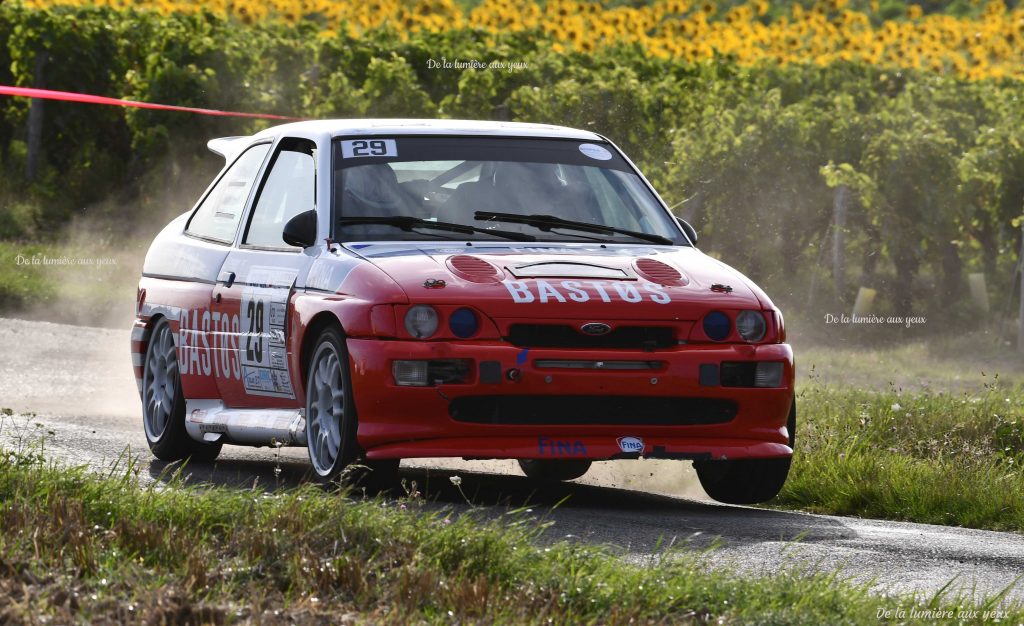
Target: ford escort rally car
(384, 289)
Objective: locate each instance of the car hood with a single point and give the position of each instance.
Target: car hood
(564, 280)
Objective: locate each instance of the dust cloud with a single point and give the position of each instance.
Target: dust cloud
(68, 352)
(71, 371)
(93, 266)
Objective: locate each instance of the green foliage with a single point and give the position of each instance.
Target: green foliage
(752, 156)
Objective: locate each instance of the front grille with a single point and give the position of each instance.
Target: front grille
(577, 364)
(566, 336)
(600, 410)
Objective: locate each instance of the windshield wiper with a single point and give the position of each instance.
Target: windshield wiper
(409, 223)
(549, 222)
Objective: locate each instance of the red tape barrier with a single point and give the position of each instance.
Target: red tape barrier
(68, 96)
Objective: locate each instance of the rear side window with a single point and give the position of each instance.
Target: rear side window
(221, 210)
(288, 189)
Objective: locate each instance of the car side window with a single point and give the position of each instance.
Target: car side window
(221, 210)
(288, 189)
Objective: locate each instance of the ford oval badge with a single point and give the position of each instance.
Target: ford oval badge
(595, 328)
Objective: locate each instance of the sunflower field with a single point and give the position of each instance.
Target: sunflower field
(753, 119)
(981, 46)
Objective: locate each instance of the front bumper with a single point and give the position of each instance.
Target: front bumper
(409, 422)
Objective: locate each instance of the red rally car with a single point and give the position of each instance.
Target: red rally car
(384, 289)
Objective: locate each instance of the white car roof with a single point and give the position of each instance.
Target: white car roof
(339, 128)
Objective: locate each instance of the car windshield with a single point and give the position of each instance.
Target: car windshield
(541, 189)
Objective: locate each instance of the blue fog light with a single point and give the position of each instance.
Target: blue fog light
(463, 323)
(716, 325)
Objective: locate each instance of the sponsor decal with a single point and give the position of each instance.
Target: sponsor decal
(328, 274)
(560, 447)
(565, 291)
(368, 148)
(263, 357)
(248, 346)
(208, 344)
(631, 445)
(595, 151)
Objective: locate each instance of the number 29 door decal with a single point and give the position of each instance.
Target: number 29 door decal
(262, 349)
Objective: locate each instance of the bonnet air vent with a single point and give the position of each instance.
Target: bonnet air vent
(660, 273)
(474, 269)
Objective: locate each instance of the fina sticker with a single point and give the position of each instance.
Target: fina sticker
(595, 151)
(631, 444)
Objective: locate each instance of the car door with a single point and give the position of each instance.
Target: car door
(194, 258)
(256, 282)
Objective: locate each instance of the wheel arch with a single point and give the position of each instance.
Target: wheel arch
(140, 345)
(316, 325)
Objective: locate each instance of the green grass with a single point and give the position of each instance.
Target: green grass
(86, 548)
(928, 430)
(936, 362)
(940, 458)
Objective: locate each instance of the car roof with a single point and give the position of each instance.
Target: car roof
(347, 128)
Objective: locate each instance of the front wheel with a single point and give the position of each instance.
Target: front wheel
(550, 469)
(331, 418)
(163, 403)
(747, 481)
(330, 415)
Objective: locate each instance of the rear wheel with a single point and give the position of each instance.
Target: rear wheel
(331, 417)
(747, 481)
(163, 403)
(551, 469)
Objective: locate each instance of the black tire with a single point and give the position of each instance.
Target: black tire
(325, 414)
(747, 481)
(162, 396)
(551, 469)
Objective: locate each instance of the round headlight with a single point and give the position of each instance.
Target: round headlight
(463, 323)
(750, 325)
(421, 321)
(716, 326)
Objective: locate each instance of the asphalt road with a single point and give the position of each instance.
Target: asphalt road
(72, 389)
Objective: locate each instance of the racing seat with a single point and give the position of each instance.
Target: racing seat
(371, 191)
(523, 188)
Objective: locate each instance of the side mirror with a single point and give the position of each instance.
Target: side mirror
(301, 230)
(689, 230)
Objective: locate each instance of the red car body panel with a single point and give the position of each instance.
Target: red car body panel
(390, 414)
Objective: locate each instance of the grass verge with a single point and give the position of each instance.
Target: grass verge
(940, 458)
(78, 547)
